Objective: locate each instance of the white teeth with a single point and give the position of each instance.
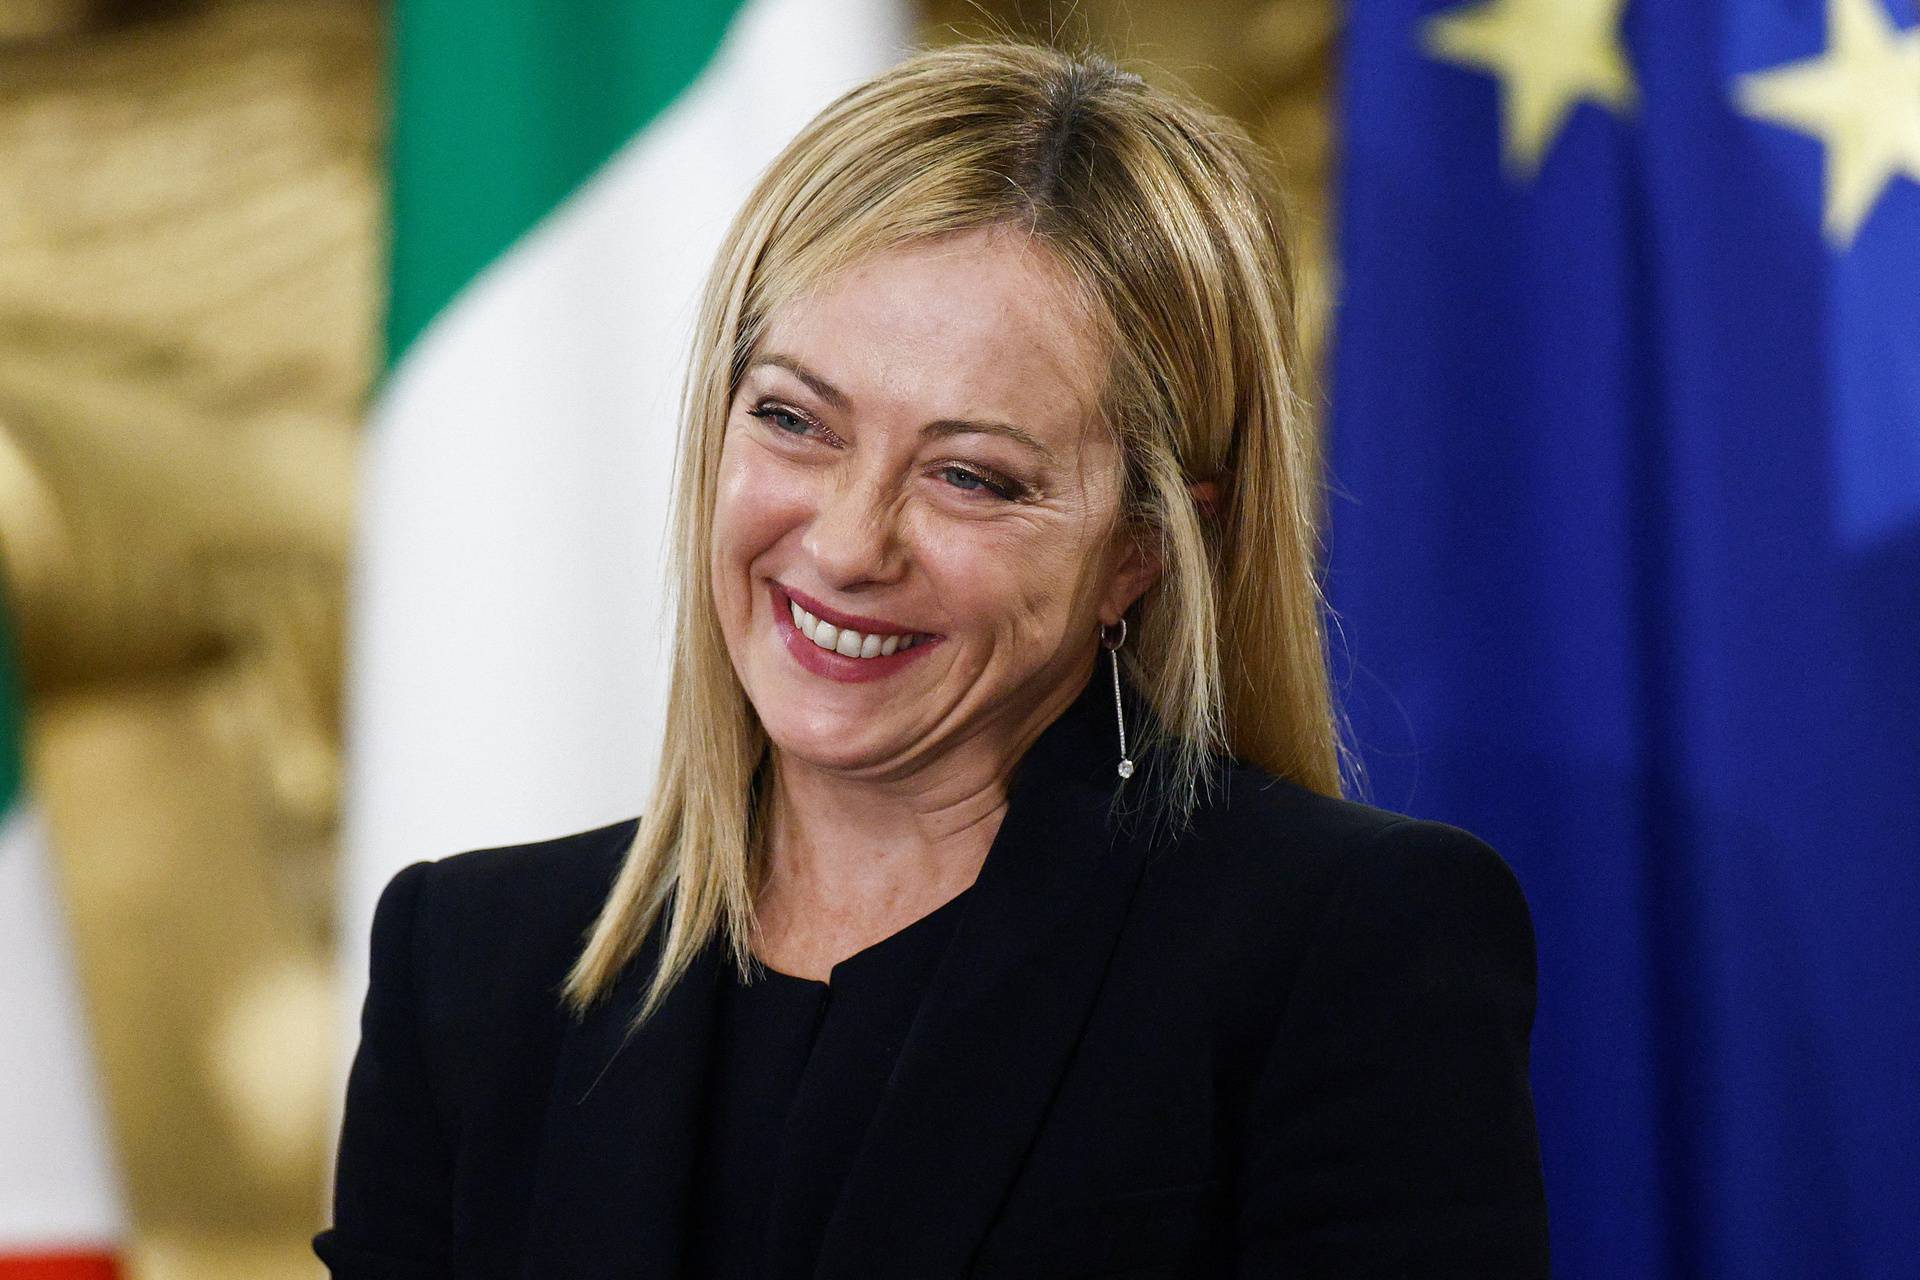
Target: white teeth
(844, 640)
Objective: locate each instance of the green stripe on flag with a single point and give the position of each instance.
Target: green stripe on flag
(13, 722)
(502, 109)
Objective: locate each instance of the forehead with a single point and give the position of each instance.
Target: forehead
(981, 324)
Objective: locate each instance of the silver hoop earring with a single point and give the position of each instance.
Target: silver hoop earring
(1112, 646)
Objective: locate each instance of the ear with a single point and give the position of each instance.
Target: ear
(1206, 496)
(1137, 569)
(1140, 566)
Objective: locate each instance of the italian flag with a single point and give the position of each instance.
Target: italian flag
(562, 176)
(60, 1208)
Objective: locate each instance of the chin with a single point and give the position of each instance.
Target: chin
(826, 739)
(806, 710)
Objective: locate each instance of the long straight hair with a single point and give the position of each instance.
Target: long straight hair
(1158, 210)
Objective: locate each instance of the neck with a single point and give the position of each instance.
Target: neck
(881, 847)
(839, 844)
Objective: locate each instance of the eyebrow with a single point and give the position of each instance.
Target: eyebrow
(939, 429)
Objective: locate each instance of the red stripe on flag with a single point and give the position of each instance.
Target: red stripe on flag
(59, 1266)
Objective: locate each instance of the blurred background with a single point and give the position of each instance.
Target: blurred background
(193, 232)
(1625, 448)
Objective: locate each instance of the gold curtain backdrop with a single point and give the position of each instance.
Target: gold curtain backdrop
(190, 285)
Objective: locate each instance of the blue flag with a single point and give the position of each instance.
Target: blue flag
(1625, 553)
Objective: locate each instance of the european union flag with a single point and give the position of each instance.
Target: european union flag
(1626, 557)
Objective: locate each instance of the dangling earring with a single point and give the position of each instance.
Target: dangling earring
(1112, 646)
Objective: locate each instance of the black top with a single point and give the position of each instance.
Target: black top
(1287, 1038)
(799, 1065)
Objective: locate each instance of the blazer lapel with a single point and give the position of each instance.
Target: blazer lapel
(1001, 1015)
(622, 1123)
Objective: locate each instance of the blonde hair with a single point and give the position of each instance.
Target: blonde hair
(1156, 208)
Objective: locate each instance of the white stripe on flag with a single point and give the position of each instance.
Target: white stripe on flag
(507, 676)
(58, 1190)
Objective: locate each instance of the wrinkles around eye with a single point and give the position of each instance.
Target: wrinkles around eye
(964, 477)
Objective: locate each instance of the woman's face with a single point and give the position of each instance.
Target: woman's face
(911, 546)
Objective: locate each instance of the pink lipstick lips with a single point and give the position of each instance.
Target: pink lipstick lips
(835, 663)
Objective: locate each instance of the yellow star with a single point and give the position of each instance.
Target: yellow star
(1861, 99)
(1547, 54)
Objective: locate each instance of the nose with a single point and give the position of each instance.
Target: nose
(854, 536)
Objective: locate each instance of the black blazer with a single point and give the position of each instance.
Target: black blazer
(1292, 1042)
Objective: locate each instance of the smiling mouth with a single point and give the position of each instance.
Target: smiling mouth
(837, 634)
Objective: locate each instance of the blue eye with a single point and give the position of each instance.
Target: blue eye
(968, 481)
(780, 418)
(793, 422)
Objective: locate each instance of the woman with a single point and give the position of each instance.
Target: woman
(996, 912)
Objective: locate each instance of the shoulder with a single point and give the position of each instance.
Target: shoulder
(1383, 1089)
(1267, 834)
(483, 925)
(1293, 874)
(542, 877)
(469, 953)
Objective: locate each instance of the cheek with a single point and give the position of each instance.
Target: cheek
(757, 500)
(1020, 582)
